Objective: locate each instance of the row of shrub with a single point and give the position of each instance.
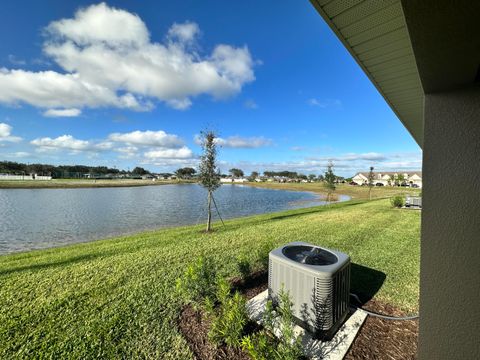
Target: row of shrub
(202, 288)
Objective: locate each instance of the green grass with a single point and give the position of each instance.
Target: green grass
(115, 298)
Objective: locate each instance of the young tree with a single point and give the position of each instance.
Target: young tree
(371, 177)
(238, 173)
(208, 174)
(401, 179)
(329, 180)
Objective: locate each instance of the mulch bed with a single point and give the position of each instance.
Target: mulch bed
(194, 326)
(385, 339)
(377, 339)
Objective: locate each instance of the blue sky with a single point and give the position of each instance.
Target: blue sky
(129, 83)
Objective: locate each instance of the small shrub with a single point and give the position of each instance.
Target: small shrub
(244, 266)
(229, 322)
(260, 346)
(397, 201)
(198, 282)
(263, 345)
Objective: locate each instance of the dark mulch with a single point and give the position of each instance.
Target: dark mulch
(385, 339)
(194, 326)
(377, 339)
(253, 285)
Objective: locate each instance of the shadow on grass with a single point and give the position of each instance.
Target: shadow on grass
(62, 263)
(365, 282)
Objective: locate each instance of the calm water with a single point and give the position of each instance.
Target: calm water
(42, 218)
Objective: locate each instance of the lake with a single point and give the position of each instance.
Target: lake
(43, 218)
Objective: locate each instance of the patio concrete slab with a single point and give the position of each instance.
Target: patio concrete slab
(334, 349)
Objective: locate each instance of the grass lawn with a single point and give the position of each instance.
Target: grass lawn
(355, 192)
(115, 298)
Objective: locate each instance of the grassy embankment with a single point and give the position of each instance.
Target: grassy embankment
(355, 192)
(81, 183)
(115, 298)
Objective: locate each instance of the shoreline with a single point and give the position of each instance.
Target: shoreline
(83, 184)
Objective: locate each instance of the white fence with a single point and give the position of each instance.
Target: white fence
(24, 177)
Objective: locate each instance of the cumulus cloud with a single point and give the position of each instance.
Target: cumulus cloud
(148, 147)
(185, 32)
(239, 142)
(6, 134)
(148, 138)
(127, 152)
(324, 103)
(108, 59)
(181, 153)
(62, 112)
(68, 142)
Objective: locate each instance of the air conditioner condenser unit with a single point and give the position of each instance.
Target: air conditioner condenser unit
(317, 281)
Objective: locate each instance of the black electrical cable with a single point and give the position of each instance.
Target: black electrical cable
(381, 316)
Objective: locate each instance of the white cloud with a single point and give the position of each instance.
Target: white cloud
(6, 134)
(119, 66)
(127, 152)
(68, 142)
(371, 156)
(148, 138)
(250, 104)
(89, 27)
(16, 61)
(185, 32)
(62, 112)
(324, 103)
(239, 142)
(181, 153)
(18, 154)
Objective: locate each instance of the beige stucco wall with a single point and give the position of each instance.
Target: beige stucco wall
(450, 246)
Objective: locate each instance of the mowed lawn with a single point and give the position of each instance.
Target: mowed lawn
(115, 298)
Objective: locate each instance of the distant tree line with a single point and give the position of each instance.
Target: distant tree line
(287, 174)
(63, 171)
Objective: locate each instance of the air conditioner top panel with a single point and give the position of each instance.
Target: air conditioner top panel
(311, 258)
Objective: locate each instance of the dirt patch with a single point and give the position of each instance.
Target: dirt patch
(385, 339)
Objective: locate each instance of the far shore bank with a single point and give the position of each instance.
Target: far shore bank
(83, 183)
(354, 192)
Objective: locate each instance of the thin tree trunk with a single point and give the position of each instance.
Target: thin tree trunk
(209, 219)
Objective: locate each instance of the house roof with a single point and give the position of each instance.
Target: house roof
(396, 43)
(375, 34)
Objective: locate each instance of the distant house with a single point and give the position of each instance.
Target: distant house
(230, 180)
(24, 177)
(408, 178)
